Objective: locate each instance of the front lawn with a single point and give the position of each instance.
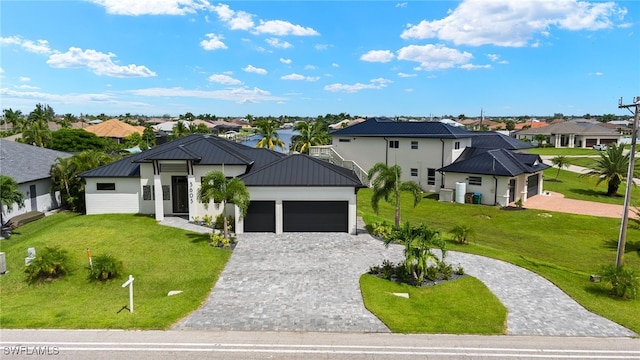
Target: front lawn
(573, 186)
(160, 259)
(564, 248)
(445, 308)
(549, 151)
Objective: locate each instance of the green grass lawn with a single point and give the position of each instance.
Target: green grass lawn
(160, 259)
(573, 186)
(549, 151)
(445, 308)
(564, 248)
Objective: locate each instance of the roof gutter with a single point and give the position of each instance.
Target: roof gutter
(442, 164)
(386, 151)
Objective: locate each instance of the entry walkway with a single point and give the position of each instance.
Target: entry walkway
(309, 282)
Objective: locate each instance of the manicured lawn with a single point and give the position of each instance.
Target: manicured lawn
(446, 308)
(548, 151)
(564, 248)
(160, 259)
(573, 186)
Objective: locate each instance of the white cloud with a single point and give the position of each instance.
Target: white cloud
(434, 57)
(99, 63)
(53, 98)
(24, 79)
(1, 70)
(224, 79)
(404, 75)
(473, 67)
(38, 46)
(299, 77)
(374, 84)
(335, 65)
(514, 23)
(236, 20)
(493, 57)
(382, 56)
(27, 87)
(276, 43)
(282, 28)
(239, 95)
(285, 61)
(214, 42)
(401, 5)
(322, 47)
(309, 67)
(151, 7)
(253, 69)
(597, 73)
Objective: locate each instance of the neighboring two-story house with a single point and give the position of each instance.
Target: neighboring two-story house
(431, 154)
(289, 193)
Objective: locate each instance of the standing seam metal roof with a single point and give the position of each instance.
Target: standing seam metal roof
(381, 127)
(499, 162)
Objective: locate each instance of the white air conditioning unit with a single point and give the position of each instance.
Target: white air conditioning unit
(3, 263)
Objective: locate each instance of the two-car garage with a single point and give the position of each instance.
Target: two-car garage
(298, 216)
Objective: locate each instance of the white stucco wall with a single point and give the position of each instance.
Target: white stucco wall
(492, 193)
(44, 200)
(280, 194)
(123, 200)
(367, 151)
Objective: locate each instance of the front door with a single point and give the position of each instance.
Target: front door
(180, 192)
(34, 197)
(512, 190)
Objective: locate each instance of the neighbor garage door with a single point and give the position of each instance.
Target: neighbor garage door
(532, 185)
(315, 216)
(261, 217)
(590, 142)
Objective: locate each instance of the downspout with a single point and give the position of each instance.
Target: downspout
(495, 192)
(386, 151)
(442, 164)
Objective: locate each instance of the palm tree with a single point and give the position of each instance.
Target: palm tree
(268, 129)
(540, 139)
(180, 129)
(9, 195)
(15, 118)
(310, 135)
(37, 133)
(560, 161)
(215, 186)
(63, 175)
(386, 183)
(611, 167)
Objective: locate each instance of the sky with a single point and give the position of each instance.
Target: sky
(309, 58)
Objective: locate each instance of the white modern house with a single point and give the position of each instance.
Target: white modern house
(30, 166)
(438, 156)
(289, 193)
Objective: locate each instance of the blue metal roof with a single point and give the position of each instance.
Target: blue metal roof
(496, 140)
(379, 127)
(498, 162)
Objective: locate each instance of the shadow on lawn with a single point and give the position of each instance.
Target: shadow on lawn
(630, 246)
(592, 193)
(198, 238)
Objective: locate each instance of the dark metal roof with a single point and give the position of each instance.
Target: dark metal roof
(25, 163)
(499, 162)
(301, 170)
(496, 140)
(379, 127)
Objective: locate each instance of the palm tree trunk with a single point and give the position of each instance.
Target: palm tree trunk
(224, 221)
(397, 217)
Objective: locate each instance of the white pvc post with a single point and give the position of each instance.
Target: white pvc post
(130, 284)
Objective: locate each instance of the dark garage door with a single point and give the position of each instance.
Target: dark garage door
(261, 217)
(532, 185)
(315, 216)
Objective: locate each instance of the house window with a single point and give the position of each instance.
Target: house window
(106, 186)
(456, 145)
(414, 145)
(475, 180)
(431, 176)
(414, 172)
(344, 140)
(394, 144)
(149, 192)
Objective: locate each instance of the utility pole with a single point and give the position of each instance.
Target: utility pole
(627, 194)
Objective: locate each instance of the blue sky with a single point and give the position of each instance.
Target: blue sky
(308, 58)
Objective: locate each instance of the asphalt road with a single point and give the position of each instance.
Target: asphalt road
(117, 344)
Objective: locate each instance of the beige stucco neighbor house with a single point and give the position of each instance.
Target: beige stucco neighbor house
(573, 134)
(427, 152)
(289, 193)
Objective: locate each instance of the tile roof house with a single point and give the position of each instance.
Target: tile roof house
(114, 129)
(573, 134)
(30, 165)
(288, 192)
(424, 150)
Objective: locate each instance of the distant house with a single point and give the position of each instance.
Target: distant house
(114, 129)
(30, 166)
(289, 193)
(573, 134)
(427, 152)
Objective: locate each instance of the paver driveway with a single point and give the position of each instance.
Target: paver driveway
(294, 282)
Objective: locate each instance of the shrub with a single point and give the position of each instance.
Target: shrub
(462, 233)
(105, 267)
(459, 270)
(446, 270)
(432, 273)
(50, 263)
(624, 281)
(220, 222)
(218, 240)
(208, 220)
(381, 230)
